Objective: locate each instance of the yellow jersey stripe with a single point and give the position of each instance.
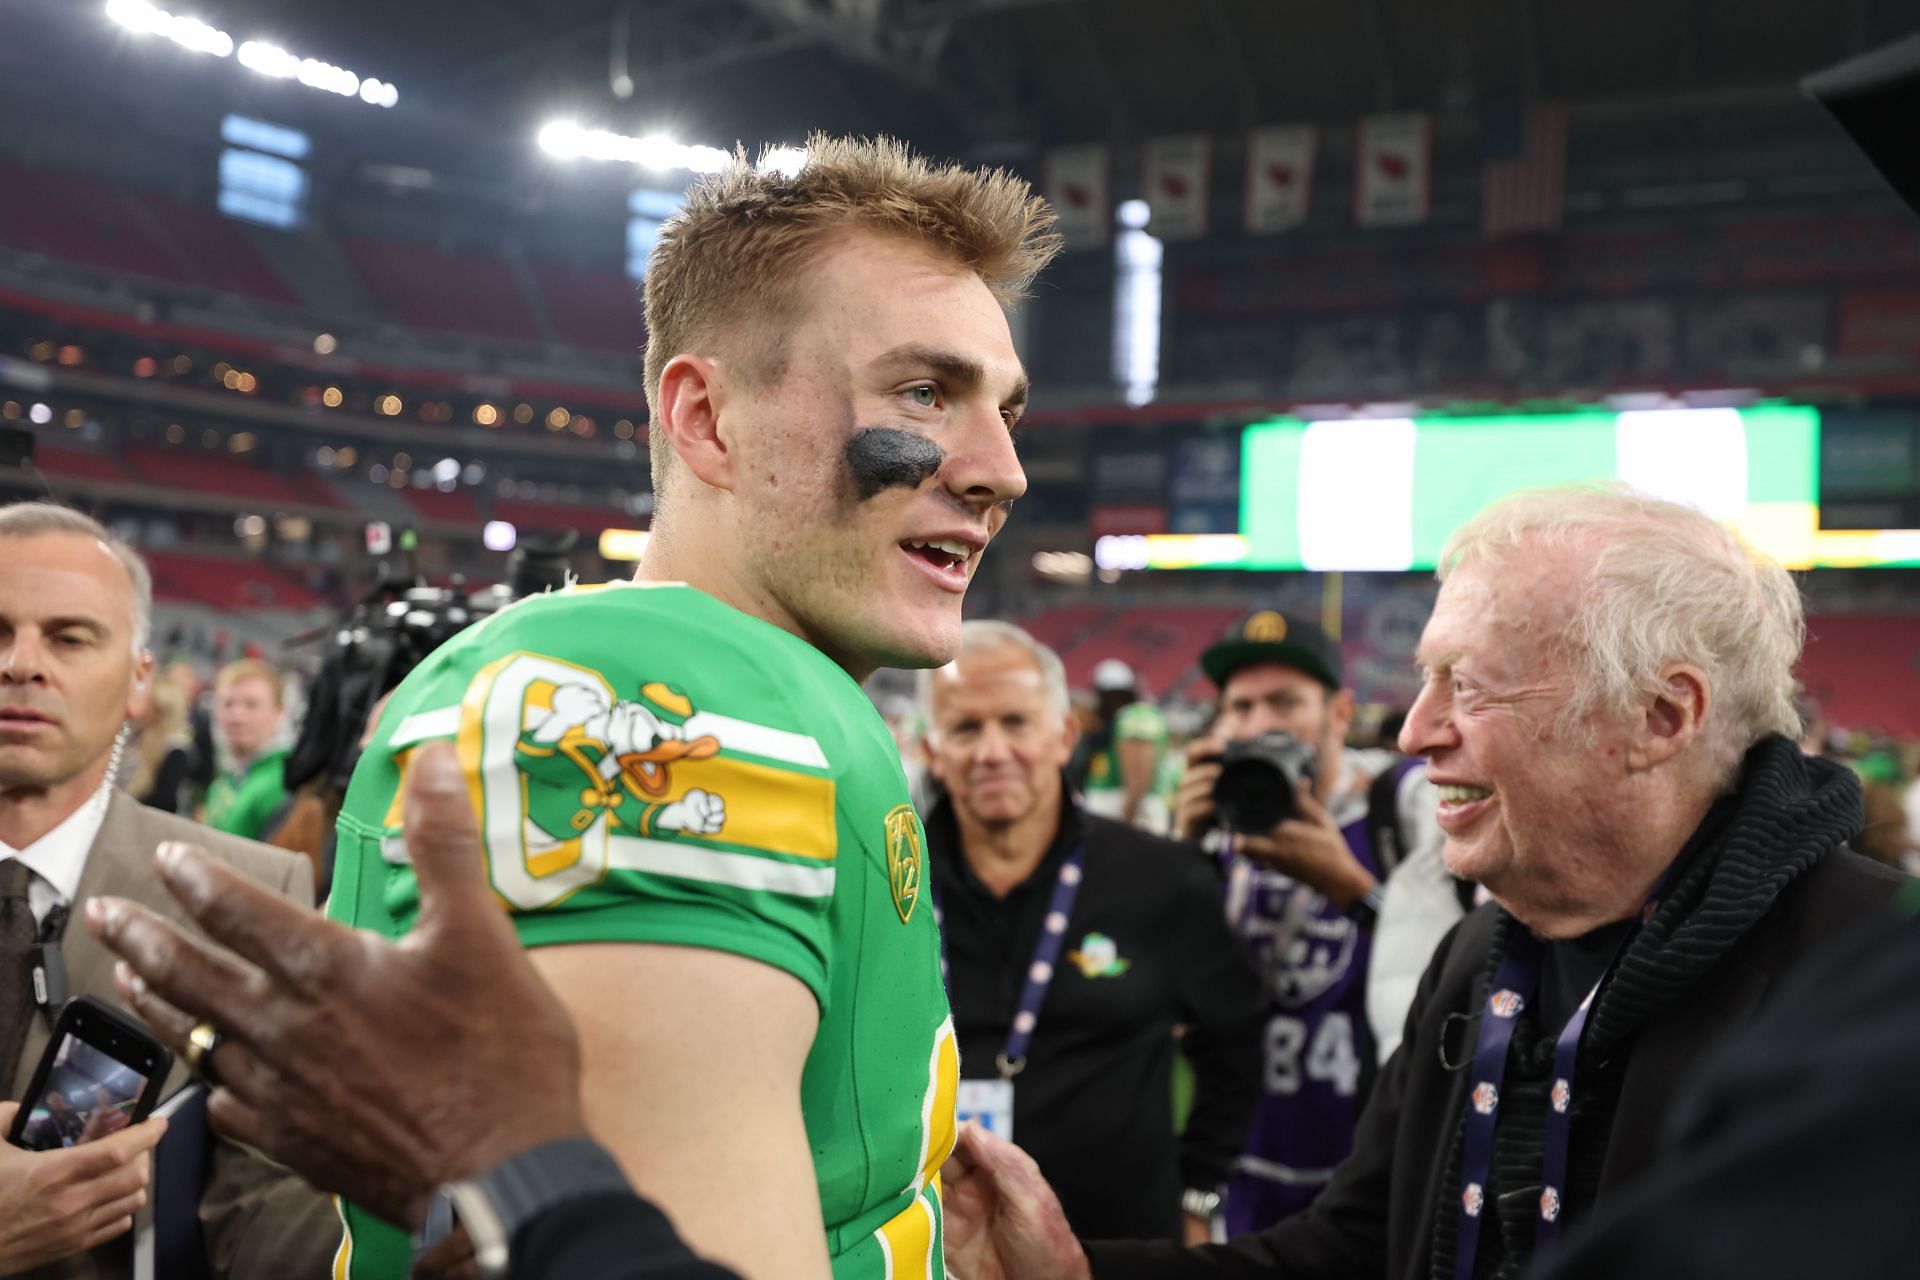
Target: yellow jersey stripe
(906, 1242)
(767, 808)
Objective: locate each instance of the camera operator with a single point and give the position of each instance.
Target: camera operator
(1308, 832)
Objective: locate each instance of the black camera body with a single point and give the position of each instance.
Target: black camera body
(1259, 783)
(386, 635)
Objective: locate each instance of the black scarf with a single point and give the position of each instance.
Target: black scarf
(1788, 812)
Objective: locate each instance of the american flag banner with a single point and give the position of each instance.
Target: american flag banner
(1523, 174)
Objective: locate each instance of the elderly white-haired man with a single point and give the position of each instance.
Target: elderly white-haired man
(1608, 718)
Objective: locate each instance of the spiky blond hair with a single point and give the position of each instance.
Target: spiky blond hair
(725, 274)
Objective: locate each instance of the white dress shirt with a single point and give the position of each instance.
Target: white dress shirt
(58, 857)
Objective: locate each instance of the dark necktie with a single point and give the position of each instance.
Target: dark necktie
(17, 936)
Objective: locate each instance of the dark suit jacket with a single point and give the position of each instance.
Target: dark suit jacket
(1375, 1220)
(259, 1221)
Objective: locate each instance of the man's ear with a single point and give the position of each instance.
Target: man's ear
(693, 393)
(1674, 716)
(140, 696)
(1341, 705)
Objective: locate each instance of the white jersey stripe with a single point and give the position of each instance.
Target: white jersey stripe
(690, 860)
(424, 725)
(757, 739)
(734, 735)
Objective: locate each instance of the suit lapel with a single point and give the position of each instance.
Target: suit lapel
(120, 865)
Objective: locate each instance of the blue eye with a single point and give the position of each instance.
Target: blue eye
(926, 395)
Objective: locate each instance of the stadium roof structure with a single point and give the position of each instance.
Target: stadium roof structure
(991, 79)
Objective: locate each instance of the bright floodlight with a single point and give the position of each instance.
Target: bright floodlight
(188, 33)
(788, 161)
(258, 56)
(499, 535)
(655, 151)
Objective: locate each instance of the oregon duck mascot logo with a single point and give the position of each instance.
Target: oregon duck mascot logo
(594, 756)
(564, 765)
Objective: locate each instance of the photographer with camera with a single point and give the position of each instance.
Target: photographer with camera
(1307, 832)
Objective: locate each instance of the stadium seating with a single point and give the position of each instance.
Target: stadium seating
(445, 290)
(200, 471)
(79, 220)
(455, 506)
(586, 518)
(1161, 643)
(219, 251)
(1064, 626)
(60, 462)
(599, 309)
(225, 582)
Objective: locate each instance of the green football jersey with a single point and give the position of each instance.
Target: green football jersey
(650, 765)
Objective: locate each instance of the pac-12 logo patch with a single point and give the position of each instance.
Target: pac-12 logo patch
(1472, 1199)
(1505, 1003)
(1549, 1204)
(1562, 1095)
(904, 859)
(1485, 1098)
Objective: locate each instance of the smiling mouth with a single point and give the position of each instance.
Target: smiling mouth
(1462, 795)
(942, 554)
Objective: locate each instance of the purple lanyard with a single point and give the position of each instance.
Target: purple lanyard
(1046, 954)
(1516, 982)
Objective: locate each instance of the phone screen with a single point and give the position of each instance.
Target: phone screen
(88, 1094)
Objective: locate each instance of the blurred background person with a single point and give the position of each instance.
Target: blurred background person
(1116, 766)
(248, 716)
(162, 773)
(1075, 947)
(1306, 894)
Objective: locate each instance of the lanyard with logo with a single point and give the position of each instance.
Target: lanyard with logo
(1516, 982)
(990, 1102)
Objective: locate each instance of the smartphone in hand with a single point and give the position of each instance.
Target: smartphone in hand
(101, 1072)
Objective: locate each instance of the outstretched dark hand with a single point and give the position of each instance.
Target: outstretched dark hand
(376, 1070)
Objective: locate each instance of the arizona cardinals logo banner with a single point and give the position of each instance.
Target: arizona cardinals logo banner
(1076, 183)
(1393, 170)
(1280, 176)
(1176, 171)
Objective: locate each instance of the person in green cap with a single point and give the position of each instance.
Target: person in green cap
(247, 710)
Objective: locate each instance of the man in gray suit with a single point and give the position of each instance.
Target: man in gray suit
(74, 669)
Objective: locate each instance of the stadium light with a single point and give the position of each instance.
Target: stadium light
(656, 151)
(499, 535)
(786, 161)
(189, 33)
(258, 56)
(623, 544)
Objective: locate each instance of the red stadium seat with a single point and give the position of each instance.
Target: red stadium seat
(592, 308)
(79, 220)
(562, 515)
(450, 507)
(1162, 643)
(447, 290)
(79, 464)
(200, 471)
(219, 250)
(225, 582)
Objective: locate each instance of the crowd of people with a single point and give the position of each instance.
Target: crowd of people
(640, 957)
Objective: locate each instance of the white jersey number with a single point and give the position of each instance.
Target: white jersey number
(1330, 1058)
